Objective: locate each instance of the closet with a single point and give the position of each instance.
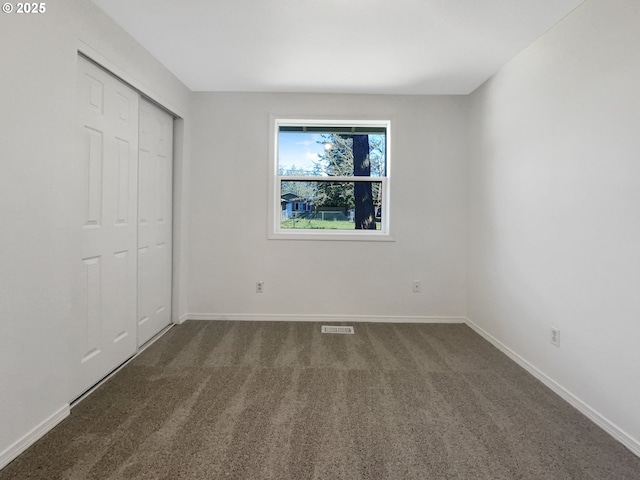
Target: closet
(125, 159)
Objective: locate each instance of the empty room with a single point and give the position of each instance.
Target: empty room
(307, 239)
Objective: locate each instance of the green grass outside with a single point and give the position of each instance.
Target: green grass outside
(314, 224)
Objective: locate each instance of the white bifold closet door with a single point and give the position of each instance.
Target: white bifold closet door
(154, 220)
(125, 171)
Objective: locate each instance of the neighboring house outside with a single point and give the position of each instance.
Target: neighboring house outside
(293, 205)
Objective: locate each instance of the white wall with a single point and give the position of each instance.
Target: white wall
(554, 218)
(40, 237)
(229, 250)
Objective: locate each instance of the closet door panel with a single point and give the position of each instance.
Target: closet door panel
(107, 162)
(154, 220)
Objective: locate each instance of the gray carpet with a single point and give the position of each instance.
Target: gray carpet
(230, 400)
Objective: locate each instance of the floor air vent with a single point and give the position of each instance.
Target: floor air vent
(336, 329)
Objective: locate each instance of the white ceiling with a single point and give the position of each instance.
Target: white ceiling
(337, 46)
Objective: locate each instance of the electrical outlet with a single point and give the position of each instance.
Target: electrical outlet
(416, 286)
(260, 287)
(555, 336)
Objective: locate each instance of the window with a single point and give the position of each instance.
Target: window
(330, 179)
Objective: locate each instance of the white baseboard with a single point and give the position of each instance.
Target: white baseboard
(12, 452)
(608, 426)
(319, 318)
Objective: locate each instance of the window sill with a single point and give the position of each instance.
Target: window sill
(331, 236)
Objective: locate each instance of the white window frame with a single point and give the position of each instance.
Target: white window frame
(275, 180)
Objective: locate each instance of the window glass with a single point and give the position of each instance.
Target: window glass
(331, 177)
